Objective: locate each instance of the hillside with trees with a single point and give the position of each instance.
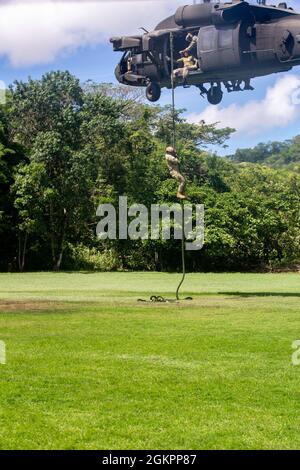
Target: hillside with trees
(67, 147)
(284, 154)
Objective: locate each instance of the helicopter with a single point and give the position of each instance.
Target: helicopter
(236, 42)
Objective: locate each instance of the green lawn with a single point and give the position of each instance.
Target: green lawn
(88, 367)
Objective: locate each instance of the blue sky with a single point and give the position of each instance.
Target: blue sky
(37, 36)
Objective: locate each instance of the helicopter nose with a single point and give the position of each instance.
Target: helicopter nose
(118, 73)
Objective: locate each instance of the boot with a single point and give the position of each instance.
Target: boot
(181, 196)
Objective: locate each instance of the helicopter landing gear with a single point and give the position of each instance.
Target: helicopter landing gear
(248, 85)
(236, 85)
(153, 92)
(203, 90)
(215, 94)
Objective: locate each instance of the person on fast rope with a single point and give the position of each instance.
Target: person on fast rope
(173, 165)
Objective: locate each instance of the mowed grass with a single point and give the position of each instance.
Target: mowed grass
(88, 367)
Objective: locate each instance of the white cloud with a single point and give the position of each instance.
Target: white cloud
(279, 108)
(34, 32)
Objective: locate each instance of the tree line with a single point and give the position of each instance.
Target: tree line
(67, 147)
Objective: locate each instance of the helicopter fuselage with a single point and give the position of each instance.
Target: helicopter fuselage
(236, 42)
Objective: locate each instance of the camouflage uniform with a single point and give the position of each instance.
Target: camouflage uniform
(189, 63)
(129, 64)
(193, 40)
(173, 165)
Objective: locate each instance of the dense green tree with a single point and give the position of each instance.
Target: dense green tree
(66, 147)
(44, 116)
(50, 104)
(11, 154)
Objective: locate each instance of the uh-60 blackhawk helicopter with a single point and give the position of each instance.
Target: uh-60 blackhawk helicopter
(236, 42)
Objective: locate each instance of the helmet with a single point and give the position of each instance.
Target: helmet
(189, 37)
(170, 150)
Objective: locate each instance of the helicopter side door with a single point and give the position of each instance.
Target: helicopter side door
(218, 47)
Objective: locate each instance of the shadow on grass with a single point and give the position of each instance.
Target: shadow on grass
(262, 294)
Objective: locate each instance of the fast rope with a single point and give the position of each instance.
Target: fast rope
(174, 145)
(158, 298)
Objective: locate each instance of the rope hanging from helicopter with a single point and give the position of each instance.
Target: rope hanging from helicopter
(174, 145)
(158, 298)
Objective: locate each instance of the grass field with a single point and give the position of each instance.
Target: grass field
(88, 367)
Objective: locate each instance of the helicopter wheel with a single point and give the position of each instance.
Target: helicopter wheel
(153, 92)
(215, 94)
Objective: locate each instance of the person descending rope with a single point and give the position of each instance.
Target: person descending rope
(173, 165)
